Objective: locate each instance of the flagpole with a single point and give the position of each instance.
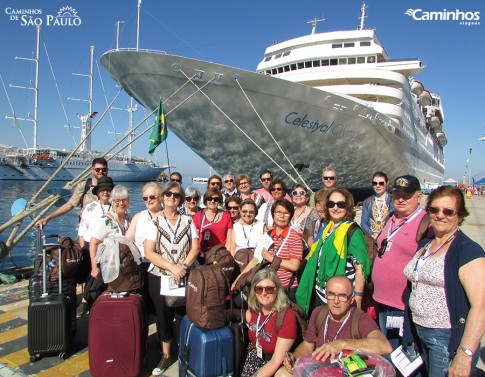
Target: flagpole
(168, 159)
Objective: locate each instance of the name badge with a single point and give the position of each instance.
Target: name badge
(388, 246)
(207, 235)
(259, 351)
(175, 249)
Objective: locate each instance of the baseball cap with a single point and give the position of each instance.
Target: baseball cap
(406, 183)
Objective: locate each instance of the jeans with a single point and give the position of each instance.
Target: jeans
(435, 349)
(391, 334)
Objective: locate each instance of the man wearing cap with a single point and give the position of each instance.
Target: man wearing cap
(397, 244)
(82, 194)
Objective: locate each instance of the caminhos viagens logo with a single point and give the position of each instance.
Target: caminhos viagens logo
(465, 18)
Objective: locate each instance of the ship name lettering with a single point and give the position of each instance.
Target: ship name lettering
(341, 131)
(293, 119)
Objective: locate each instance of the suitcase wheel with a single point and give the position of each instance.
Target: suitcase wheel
(63, 356)
(33, 358)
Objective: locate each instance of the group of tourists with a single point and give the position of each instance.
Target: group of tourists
(407, 273)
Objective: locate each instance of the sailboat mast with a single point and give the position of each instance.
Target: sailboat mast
(138, 25)
(36, 88)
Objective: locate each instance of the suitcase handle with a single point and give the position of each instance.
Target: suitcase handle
(44, 273)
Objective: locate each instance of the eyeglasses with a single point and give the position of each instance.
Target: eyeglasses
(331, 204)
(243, 183)
(301, 192)
(169, 194)
(151, 197)
(118, 201)
(102, 170)
(374, 183)
(328, 178)
(214, 199)
(189, 199)
(341, 296)
(280, 213)
(215, 183)
(232, 208)
(108, 190)
(269, 290)
(247, 212)
(276, 189)
(448, 212)
(175, 180)
(229, 180)
(266, 179)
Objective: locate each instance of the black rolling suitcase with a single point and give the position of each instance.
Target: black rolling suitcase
(49, 315)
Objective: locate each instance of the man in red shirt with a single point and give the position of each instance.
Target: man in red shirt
(327, 341)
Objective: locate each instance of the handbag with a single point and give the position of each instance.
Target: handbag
(174, 293)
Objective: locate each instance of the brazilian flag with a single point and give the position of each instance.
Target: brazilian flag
(159, 133)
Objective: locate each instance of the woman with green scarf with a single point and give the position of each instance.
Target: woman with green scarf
(340, 251)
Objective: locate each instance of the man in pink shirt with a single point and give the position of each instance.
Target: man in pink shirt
(397, 245)
(266, 177)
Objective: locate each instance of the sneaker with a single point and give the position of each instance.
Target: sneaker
(162, 366)
(82, 309)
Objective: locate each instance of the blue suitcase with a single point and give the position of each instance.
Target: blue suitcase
(205, 353)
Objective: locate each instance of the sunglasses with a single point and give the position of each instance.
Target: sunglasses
(331, 204)
(374, 183)
(301, 192)
(341, 296)
(215, 183)
(269, 290)
(276, 189)
(229, 180)
(328, 178)
(175, 195)
(189, 199)
(266, 179)
(151, 197)
(232, 208)
(448, 212)
(175, 180)
(247, 212)
(382, 249)
(214, 199)
(103, 170)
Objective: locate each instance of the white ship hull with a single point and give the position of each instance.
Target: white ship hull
(314, 128)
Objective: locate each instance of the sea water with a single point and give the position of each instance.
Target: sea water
(26, 250)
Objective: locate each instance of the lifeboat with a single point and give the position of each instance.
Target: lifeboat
(425, 98)
(416, 87)
(442, 141)
(435, 123)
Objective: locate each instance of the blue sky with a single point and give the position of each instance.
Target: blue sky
(233, 33)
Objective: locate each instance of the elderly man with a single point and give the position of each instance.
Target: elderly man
(229, 187)
(330, 330)
(82, 194)
(397, 244)
(329, 180)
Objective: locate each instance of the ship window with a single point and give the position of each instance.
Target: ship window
(277, 56)
(268, 72)
(371, 59)
(267, 59)
(337, 45)
(325, 62)
(349, 44)
(287, 68)
(365, 44)
(286, 53)
(342, 61)
(293, 67)
(300, 65)
(316, 63)
(280, 69)
(351, 61)
(274, 71)
(308, 64)
(361, 60)
(333, 61)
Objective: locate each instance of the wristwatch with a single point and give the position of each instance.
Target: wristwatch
(467, 351)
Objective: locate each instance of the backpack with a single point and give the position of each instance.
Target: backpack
(131, 275)
(220, 255)
(243, 257)
(72, 257)
(301, 322)
(243, 283)
(370, 242)
(206, 292)
(87, 186)
(354, 324)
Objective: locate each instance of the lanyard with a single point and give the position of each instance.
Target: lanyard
(390, 234)
(325, 340)
(202, 226)
(260, 328)
(425, 256)
(380, 208)
(244, 232)
(283, 243)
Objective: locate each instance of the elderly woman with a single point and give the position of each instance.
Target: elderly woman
(214, 181)
(243, 183)
(191, 206)
(172, 248)
(233, 206)
(266, 299)
(341, 250)
(447, 299)
(283, 243)
(277, 188)
(213, 225)
(247, 232)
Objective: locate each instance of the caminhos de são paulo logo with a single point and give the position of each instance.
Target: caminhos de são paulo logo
(66, 16)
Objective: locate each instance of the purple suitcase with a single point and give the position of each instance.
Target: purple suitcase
(117, 335)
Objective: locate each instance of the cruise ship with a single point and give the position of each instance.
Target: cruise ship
(324, 99)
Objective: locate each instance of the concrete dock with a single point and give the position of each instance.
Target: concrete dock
(14, 358)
